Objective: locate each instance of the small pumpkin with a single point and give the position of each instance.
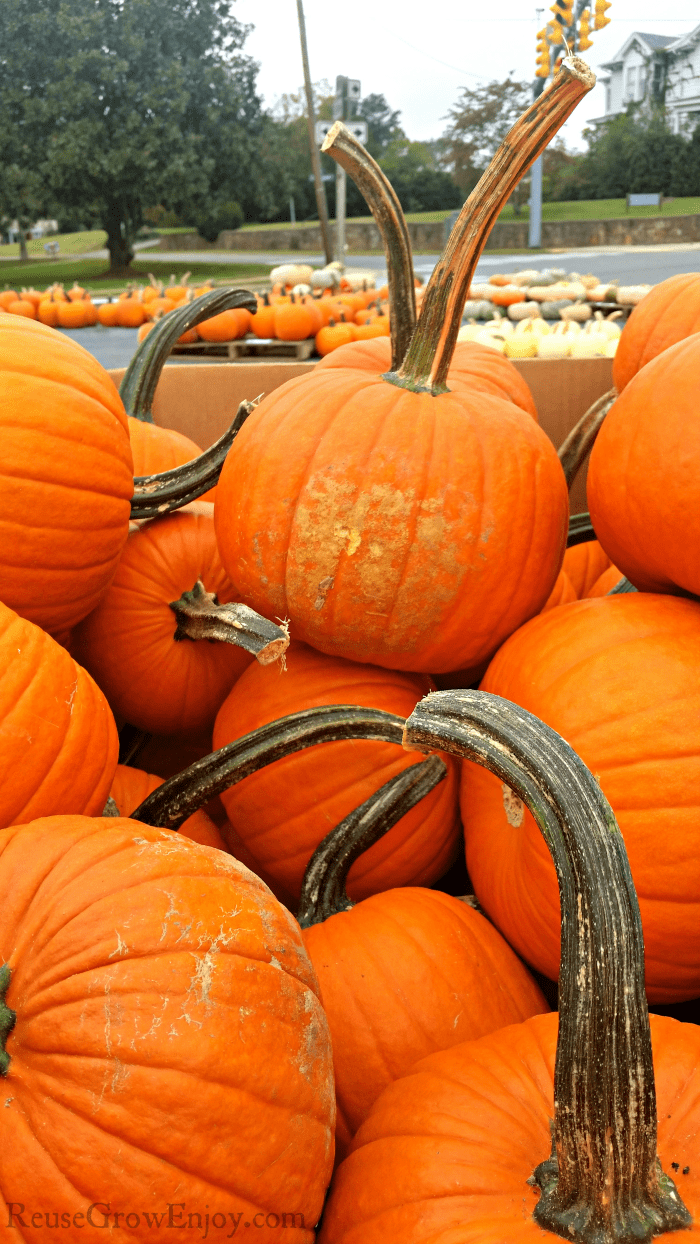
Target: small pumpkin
(131, 786)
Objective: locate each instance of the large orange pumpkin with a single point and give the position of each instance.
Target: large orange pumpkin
(68, 480)
(670, 312)
(59, 740)
(504, 1139)
(128, 643)
(283, 811)
(391, 520)
(619, 679)
(169, 1056)
(644, 474)
(405, 972)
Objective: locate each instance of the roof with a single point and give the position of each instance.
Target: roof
(655, 43)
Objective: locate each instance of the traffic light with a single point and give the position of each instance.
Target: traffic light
(555, 34)
(583, 41)
(600, 19)
(542, 70)
(563, 11)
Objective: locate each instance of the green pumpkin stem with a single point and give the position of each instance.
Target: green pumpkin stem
(425, 367)
(138, 385)
(578, 444)
(155, 495)
(7, 1018)
(386, 209)
(200, 616)
(602, 1183)
(180, 796)
(323, 891)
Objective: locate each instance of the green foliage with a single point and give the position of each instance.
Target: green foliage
(216, 217)
(477, 126)
(116, 105)
(90, 273)
(635, 153)
(382, 124)
(419, 183)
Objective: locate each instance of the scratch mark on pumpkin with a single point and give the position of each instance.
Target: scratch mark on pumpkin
(514, 807)
(324, 588)
(122, 947)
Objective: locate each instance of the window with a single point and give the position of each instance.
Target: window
(630, 83)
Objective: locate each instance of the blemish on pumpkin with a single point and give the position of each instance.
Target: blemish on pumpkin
(353, 537)
(514, 807)
(324, 588)
(122, 947)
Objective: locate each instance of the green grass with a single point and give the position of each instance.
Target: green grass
(90, 273)
(70, 243)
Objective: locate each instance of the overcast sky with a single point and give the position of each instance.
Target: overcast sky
(421, 65)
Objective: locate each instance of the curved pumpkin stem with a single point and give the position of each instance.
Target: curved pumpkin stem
(155, 495)
(573, 450)
(430, 353)
(200, 616)
(580, 529)
(138, 385)
(384, 205)
(603, 1180)
(323, 888)
(171, 804)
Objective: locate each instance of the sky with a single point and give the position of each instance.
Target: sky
(420, 65)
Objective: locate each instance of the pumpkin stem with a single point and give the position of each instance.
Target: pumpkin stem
(186, 792)
(7, 1018)
(580, 529)
(603, 1183)
(200, 616)
(430, 352)
(110, 808)
(579, 442)
(155, 495)
(138, 385)
(323, 888)
(384, 205)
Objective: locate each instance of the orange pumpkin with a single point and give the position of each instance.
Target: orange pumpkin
(59, 740)
(644, 474)
(108, 314)
(64, 432)
(167, 1019)
(262, 323)
(22, 306)
(6, 297)
(293, 322)
(226, 326)
(670, 312)
(283, 811)
(619, 679)
(128, 643)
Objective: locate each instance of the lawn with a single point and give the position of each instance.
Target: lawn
(70, 243)
(90, 273)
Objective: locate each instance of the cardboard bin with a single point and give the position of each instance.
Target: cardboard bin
(201, 400)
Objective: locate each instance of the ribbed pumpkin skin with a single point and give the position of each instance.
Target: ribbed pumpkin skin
(473, 366)
(67, 475)
(583, 566)
(128, 642)
(404, 974)
(282, 812)
(406, 530)
(446, 1153)
(619, 679)
(59, 740)
(169, 1043)
(644, 474)
(157, 449)
(667, 314)
(131, 786)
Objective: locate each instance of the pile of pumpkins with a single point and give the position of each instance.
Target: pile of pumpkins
(283, 1004)
(74, 307)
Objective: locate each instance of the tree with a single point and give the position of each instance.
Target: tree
(478, 124)
(419, 183)
(634, 153)
(22, 200)
(115, 104)
(382, 124)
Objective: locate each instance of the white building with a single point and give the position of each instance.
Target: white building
(656, 69)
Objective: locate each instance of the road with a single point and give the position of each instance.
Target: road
(631, 265)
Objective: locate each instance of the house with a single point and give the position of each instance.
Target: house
(658, 69)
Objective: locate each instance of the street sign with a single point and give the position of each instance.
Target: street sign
(358, 129)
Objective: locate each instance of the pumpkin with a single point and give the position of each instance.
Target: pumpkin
(363, 537)
(333, 335)
(131, 311)
(644, 474)
(59, 739)
(64, 509)
(619, 678)
(473, 367)
(108, 313)
(547, 1128)
(168, 1053)
(405, 972)
(226, 326)
(156, 680)
(669, 313)
(262, 322)
(293, 322)
(6, 297)
(584, 568)
(131, 786)
(283, 811)
(22, 306)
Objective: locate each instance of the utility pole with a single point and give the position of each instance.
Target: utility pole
(315, 156)
(347, 95)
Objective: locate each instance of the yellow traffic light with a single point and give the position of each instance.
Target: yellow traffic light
(600, 19)
(542, 70)
(563, 11)
(555, 34)
(583, 41)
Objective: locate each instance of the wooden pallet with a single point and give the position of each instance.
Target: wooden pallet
(249, 347)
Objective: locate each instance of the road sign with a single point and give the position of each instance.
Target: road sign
(358, 129)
